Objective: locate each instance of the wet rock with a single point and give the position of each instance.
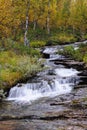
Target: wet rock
(46, 55)
(19, 85)
(49, 43)
(63, 112)
(71, 63)
(80, 86)
(51, 72)
(2, 94)
(84, 73)
(42, 125)
(83, 80)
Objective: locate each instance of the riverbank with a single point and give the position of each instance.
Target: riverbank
(17, 61)
(63, 109)
(78, 54)
(15, 68)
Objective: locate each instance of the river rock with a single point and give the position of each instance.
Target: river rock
(70, 63)
(2, 94)
(62, 112)
(51, 72)
(66, 112)
(46, 55)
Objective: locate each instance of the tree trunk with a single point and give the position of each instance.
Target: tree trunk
(73, 30)
(26, 41)
(48, 27)
(48, 18)
(34, 27)
(57, 5)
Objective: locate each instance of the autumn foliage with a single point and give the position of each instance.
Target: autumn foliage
(45, 14)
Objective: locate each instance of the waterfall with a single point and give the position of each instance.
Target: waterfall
(61, 84)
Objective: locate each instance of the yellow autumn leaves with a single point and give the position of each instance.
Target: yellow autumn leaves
(62, 14)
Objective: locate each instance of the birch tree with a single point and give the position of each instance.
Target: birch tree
(26, 41)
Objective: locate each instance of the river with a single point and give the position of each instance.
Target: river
(46, 101)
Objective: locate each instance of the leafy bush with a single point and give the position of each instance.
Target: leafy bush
(19, 48)
(85, 36)
(75, 54)
(7, 43)
(69, 50)
(9, 77)
(85, 58)
(34, 53)
(38, 34)
(80, 54)
(15, 67)
(62, 38)
(66, 38)
(83, 48)
(24, 50)
(36, 44)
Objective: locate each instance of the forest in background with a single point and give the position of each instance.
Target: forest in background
(40, 23)
(45, 17)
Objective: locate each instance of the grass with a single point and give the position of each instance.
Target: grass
(38, 38)
(79, 54)
(19, 48)
(18, 61)
(15, 67)
(62, 38)
(37, 44)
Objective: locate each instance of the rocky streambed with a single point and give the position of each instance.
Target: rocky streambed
(56, 99)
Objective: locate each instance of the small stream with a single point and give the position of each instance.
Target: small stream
(55, 80)
(52, 100)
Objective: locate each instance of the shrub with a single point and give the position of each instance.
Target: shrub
(85, 58)
(62, 38)
(34, 52)
(20, 48)
(69, 50)
(85, 36)
(75, 54)
(36, 44)
(66, 38)
(7, 43)
(9, 77)
(15, 67)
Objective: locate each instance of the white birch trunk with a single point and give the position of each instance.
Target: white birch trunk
(48, 18)
(26, 42)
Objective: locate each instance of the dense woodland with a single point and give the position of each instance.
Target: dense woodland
(26, 25)
(45, 16)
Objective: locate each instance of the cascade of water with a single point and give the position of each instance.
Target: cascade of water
(61, 83)
(63, 72)
(64, 79)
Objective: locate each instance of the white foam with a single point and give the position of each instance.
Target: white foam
(23, 93)
(50, 50)
(62, 84)
(28, 93)
(64, 72)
